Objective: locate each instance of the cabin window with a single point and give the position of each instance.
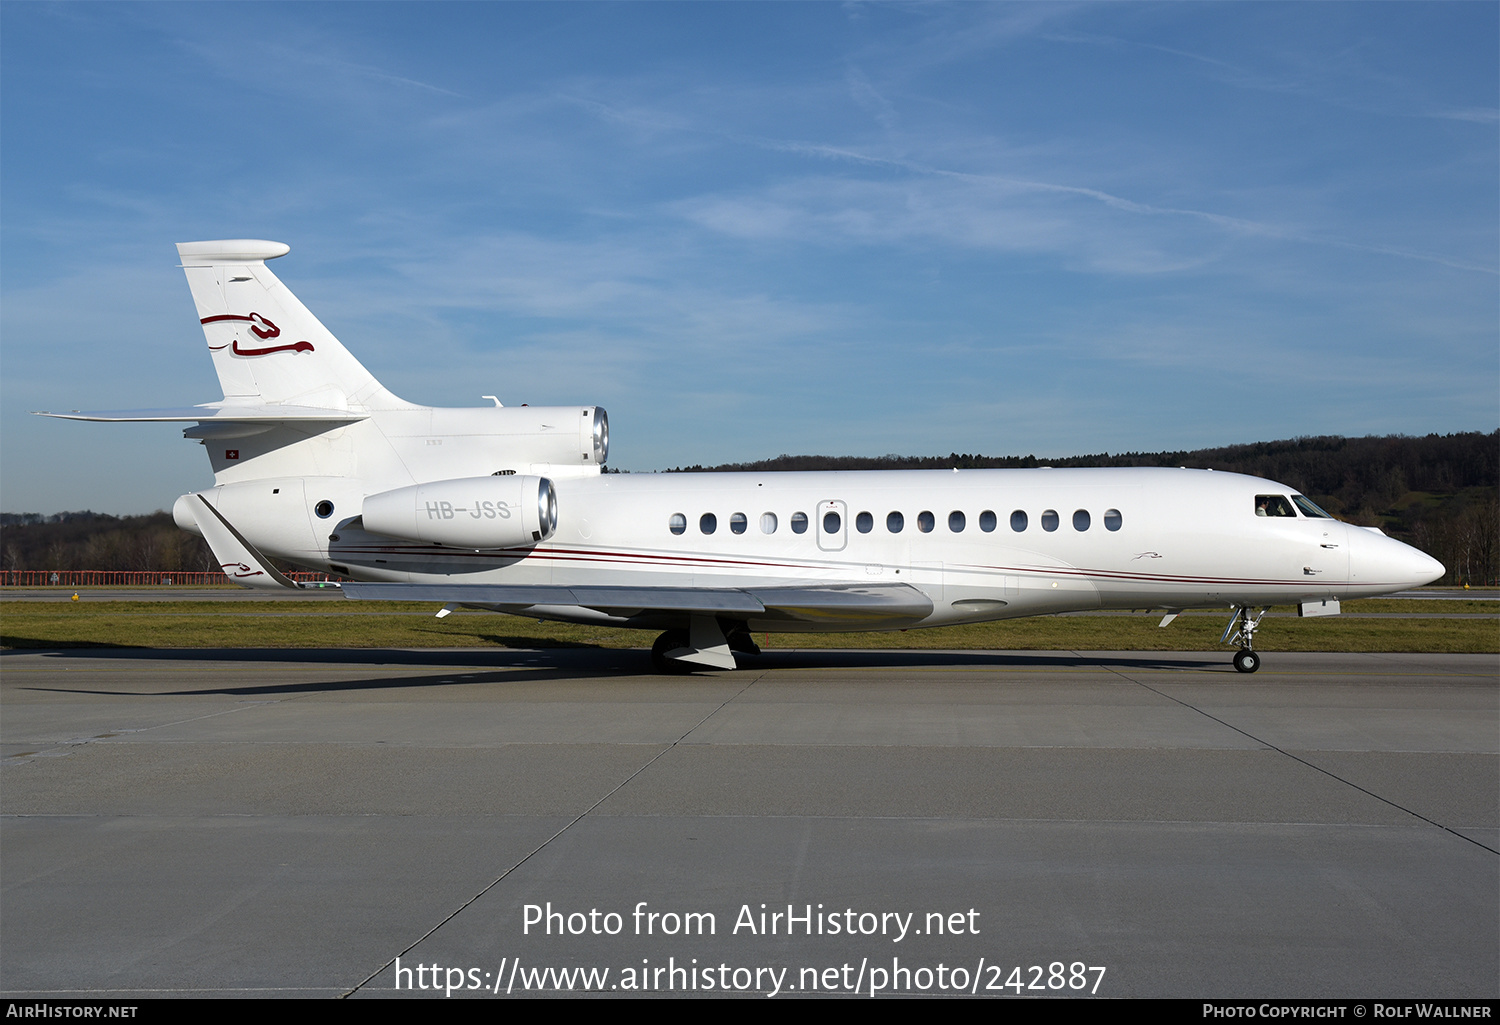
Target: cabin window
(956, 522)
(677, 524)
(925, 522)
(894, 522)
(324, 509)
(987, 521)
(799, 523)
(768, 523)
(1049, 520)
(1273, 505)
(832, 522)
(1111, 519)
(708, 523)
(738, 523)
(1018, 521)
(864, 523)
(1309, 509)
(1081, 520)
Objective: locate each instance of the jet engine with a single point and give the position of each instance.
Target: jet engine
(547, 441)
(469, 512)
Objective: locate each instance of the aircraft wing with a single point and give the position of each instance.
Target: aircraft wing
(846, 604)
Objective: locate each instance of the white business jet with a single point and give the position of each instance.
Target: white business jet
(507, 508)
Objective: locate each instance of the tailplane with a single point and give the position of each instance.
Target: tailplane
(267, 348)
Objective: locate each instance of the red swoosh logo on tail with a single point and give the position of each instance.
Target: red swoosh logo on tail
(294, 347)
(261, 328)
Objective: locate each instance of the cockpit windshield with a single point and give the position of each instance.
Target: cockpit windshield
(1273, 505)
(1310, 509)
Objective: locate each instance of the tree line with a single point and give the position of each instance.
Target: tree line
(90, 540)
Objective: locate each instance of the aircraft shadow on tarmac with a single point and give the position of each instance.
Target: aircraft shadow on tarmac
(458, 667)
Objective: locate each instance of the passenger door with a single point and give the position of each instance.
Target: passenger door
(832, 514)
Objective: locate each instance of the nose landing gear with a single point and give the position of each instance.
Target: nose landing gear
(1242, 629)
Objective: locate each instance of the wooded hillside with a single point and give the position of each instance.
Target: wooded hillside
(90, 540)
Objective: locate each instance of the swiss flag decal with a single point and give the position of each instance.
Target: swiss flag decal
(231, 453)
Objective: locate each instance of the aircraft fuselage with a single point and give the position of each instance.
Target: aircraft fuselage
(981, 544)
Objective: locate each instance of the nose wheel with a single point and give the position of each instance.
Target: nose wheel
(1241, 631)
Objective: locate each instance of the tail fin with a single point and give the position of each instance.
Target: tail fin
(266, 346)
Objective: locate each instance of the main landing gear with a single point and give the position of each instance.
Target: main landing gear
(1242, 629)
(706, 644)
(672, 640)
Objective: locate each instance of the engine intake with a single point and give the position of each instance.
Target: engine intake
(469, 512)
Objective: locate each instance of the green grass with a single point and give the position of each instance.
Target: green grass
(1471, 606)
(333, 624)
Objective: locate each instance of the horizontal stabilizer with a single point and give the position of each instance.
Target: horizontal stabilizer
(214, 412)
(862, 602)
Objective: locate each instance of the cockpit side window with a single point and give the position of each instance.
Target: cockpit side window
(1274, 505)
(1310, 509)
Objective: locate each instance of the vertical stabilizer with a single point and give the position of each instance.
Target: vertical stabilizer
(266, 346)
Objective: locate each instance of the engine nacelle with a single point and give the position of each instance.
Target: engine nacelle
(549, 441)
(469, 512)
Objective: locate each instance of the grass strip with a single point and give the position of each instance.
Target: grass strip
(293, 624)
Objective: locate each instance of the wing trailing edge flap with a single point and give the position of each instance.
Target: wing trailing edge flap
(833, 603)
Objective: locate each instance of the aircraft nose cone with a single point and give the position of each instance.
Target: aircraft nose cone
(1413, 567)
(1380, 561)
(1427, 568)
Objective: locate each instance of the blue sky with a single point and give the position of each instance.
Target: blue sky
(749, 229)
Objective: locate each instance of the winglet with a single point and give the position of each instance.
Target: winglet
(241, 562)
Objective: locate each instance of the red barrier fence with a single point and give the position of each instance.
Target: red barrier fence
(128, 578)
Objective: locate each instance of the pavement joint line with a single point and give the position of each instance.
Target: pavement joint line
(57, 750)
(1317, 768)
(1389, 656)
(569, 825)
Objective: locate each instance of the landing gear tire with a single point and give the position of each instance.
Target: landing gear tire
(670, 641)
(1246, 661)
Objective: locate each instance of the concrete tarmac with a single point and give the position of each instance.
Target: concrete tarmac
(322, 823)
